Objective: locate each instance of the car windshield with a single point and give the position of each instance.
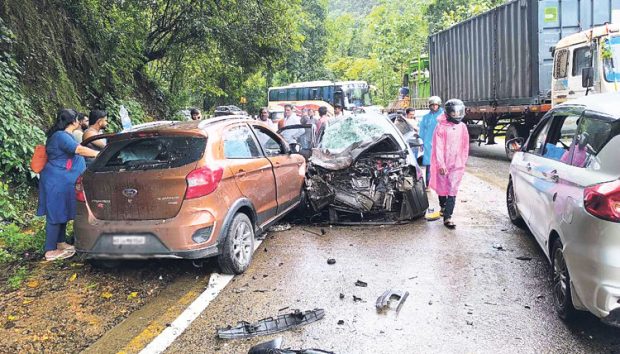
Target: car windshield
(611, 59)
(344, 132)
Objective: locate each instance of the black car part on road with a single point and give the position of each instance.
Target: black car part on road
(271, 325)
(273, 347)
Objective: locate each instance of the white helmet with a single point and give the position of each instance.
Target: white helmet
(434, 100)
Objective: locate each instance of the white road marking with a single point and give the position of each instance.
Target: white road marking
(217, 283)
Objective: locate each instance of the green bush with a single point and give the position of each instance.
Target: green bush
(18, 242)
(7, 257)
(18, 277)
(18, 133)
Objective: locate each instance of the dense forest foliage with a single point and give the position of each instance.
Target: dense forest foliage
(157, 57)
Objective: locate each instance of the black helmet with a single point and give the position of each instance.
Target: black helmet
(455, 110)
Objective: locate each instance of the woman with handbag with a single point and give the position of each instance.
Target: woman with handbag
(65, 163)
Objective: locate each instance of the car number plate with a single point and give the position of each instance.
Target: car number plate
(128, 240)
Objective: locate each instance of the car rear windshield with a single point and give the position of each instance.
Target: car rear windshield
(159, 152)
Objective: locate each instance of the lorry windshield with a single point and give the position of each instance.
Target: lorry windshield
(358, 96)
(611, 59)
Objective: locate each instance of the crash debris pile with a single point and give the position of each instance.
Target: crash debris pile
(371, 180)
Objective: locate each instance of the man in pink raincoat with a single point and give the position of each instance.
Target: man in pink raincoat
(448, 157)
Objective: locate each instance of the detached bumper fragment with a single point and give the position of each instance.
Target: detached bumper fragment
(271, 325)
(383, 302)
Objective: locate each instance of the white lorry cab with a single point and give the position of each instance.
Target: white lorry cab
(585, 63)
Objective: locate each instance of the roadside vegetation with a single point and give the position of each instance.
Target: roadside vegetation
(158, 57)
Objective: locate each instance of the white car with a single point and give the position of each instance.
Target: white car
(565, 186)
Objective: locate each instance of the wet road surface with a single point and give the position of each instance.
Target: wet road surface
(468, 292)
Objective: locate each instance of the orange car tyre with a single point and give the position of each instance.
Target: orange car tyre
(237, 246)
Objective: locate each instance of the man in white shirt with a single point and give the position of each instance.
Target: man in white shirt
(290, 118)
(412, 119)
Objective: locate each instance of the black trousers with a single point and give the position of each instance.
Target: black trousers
(447, 203)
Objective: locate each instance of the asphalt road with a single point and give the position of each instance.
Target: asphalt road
(468, 292)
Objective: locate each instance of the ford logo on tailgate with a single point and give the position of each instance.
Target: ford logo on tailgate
(130, 192)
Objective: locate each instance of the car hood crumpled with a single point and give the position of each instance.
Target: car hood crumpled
(347, 157)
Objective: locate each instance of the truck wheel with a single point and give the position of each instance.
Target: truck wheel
(512, 132)
(562, 298)
(237, 246)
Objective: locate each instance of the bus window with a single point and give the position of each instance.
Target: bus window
(292, 94)
(303, 94)
(281, 95)
(314, 94)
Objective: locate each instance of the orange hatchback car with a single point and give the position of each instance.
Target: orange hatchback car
(187, 190)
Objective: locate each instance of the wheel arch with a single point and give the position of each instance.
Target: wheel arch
(242, 205)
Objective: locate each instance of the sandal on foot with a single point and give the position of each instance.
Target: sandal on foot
(449, 224)
(59, 254)
(64, 246)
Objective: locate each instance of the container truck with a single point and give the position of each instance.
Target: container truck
(501, 62)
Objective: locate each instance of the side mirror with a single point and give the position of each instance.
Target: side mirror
(295, 148)
(415, 142)
(515, 144)
(587, 77)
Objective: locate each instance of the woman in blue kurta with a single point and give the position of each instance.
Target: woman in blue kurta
(427, 129)
(57, 182)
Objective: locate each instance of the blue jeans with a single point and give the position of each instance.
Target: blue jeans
(54, 233)
(428, 174)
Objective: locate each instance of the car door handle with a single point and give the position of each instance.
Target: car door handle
(240, 173)
(553, 176)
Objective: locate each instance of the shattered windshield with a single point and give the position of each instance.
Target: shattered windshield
(344, 132)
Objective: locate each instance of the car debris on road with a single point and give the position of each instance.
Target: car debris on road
(271, 325)
(383, 301)
(273, 347)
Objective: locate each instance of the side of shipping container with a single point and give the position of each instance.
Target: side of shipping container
(502, 57)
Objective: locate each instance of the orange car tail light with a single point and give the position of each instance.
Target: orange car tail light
(603, 200)
(79, 190)
(202, 181)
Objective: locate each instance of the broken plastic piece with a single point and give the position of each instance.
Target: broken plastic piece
(271, 325)
(331, 261)
(383, 301)
(273, 347)
(361, 284)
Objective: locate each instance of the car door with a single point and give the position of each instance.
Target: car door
(580, 59)
(553, 177)
(302, 134)
(521, 167)
(289, 169)
(252, 170)
(546, 169)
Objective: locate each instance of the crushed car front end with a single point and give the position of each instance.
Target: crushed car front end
(363, 171)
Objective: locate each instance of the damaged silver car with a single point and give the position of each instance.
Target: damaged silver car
(363, 171)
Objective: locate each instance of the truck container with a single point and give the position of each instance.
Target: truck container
(500, 62)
